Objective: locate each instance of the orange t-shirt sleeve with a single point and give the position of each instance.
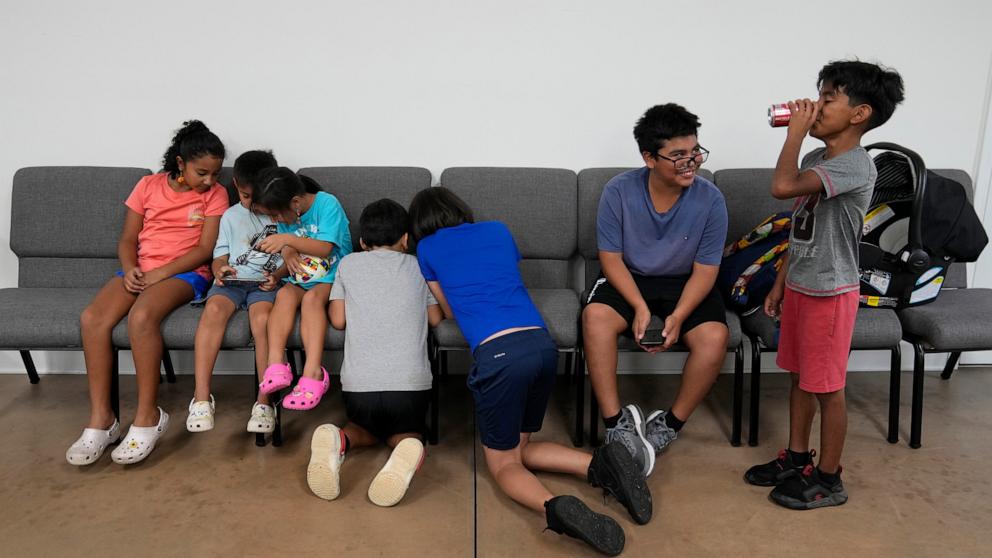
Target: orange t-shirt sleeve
(217, 202)
(139, 195)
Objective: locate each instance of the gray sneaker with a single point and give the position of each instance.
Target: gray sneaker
(629, 431)
(657, 431)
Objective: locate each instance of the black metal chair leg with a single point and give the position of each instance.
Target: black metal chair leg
(916, 421)
(170, 372)
(593, 419)
(277, 432)
(433, 433)
(115, 387)
(579, 377)
(754, 407)
(29, 366)
(291, 358)
(952, 361)
(895, 380)
(259, 437)
(735, 430)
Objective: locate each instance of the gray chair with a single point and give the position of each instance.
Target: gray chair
(747, 192)
(957, 321)
(539, 207)
(591, 184)
(64, 228)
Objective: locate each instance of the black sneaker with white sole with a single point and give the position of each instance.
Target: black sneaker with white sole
(567, 515)
(613, 469)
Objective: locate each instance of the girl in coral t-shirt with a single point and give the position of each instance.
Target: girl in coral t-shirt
(168, 239)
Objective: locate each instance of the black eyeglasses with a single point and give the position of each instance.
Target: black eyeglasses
(698, 157)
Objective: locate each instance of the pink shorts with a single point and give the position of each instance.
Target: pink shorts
(815, 340)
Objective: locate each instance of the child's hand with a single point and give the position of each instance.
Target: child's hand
(673, 327)
(274, 242)
(225, 272)
(293, 261)
(642, 318)
(134, 281)
(154, 276)
(804, 114)
(270, 282)
(773, 302)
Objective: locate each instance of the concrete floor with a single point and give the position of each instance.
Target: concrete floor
(217, 494)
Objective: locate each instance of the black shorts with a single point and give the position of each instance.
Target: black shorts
(661, 295)
(385, 413)
(511, 379)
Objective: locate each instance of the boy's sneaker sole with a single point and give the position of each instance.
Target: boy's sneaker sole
(834, 499)
(570, 516)
(324, 470)
(614, 470)
(390, 485)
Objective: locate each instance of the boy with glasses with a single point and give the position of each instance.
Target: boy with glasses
(661, 231)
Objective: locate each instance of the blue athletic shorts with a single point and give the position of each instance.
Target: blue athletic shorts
(197, 281)
(511, 380)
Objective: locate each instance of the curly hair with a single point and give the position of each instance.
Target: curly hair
(191, 141)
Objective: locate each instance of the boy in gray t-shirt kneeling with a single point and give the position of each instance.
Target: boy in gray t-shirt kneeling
(386, 378)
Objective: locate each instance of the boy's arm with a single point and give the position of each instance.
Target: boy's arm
(788, 182)
(434, 315)
(220, 266)
(435, 288)
(773, 302)
(276, 242)
(698, 286)
(619, 276)
(336, 313)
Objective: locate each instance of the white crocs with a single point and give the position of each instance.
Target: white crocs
(263, 419)
(91, 445)
(201, 415)
(140, 441)
(390, 485)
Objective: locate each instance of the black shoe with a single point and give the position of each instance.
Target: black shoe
(808, 491)
(613, 469)
(775, 472)
(567, 515)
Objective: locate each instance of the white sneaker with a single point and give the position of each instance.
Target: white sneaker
(91, 445)
(263, 419)
(140, 441)
(390, 485)
(326, 457)
(201, 415)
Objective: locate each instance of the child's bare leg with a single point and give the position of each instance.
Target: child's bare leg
(144, 328)
(313, 327)
(802, 409)
(833, 429)
(707, 344)
(513, 478)
(206, 344)
(556, 458)
(358, 436)
(96, 324)
(281, 321)
(258, 317)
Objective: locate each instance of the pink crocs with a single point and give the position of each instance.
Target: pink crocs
(307, 393)
(276, 377)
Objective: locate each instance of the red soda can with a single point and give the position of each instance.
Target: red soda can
(779, 115)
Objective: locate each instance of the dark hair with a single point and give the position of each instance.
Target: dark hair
(191, 141)
(661, 123)
(865, 83)
(383, 223)
(437, 208)
(249, 166)
(277, 186)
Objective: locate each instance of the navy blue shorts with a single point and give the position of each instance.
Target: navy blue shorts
(243, 297)
(511, 379)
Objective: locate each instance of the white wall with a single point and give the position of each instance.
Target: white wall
(443, 83)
